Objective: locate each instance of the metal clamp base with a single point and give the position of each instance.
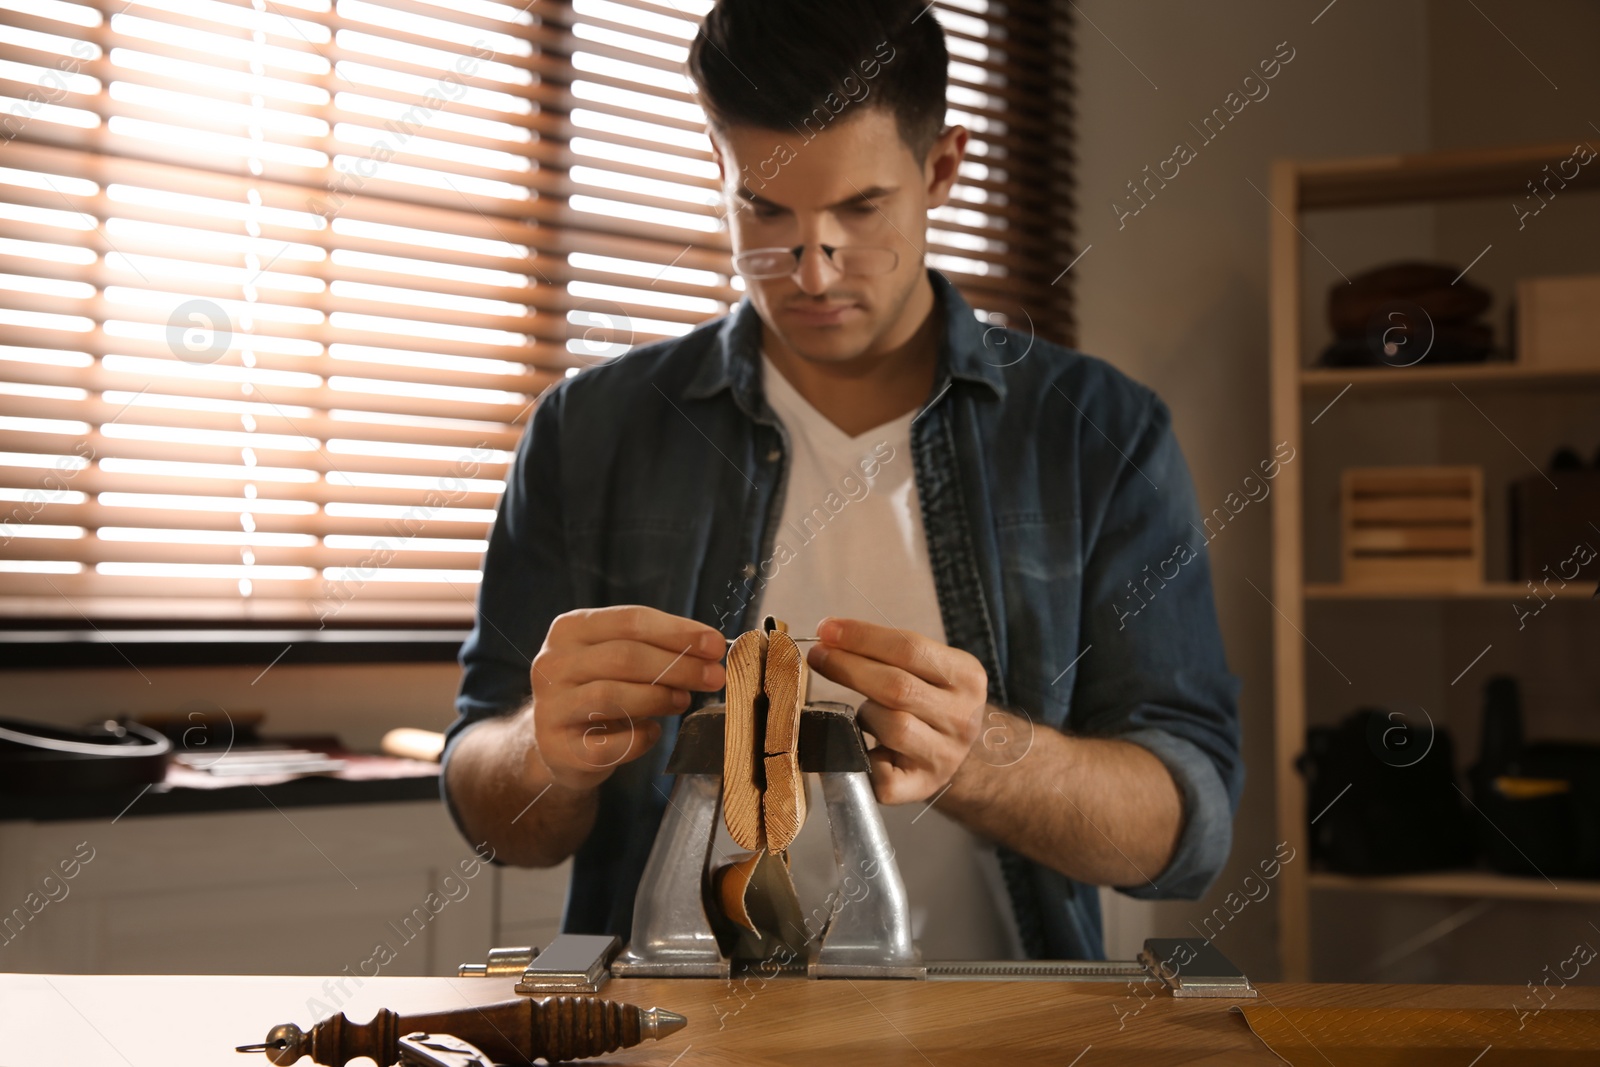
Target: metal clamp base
(672, 936)
(869, 938)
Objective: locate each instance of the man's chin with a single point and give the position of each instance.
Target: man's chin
(840, 352)
(831, 345)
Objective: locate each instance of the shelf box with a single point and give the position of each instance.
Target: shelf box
(1552, 534)
(1415, 529)
(1558, 322)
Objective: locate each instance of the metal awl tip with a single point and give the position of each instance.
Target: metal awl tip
(659, 1022)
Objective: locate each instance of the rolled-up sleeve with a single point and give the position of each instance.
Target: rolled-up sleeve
(526, 582)
(1157, 675)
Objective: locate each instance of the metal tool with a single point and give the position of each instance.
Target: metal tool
(440, 1050)
(511, 1032)
(1187, 966)
(1034, 970)
(796, 640)
(672, 933)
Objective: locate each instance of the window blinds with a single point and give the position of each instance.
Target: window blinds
(280, 282)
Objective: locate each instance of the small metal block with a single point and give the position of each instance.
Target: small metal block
(1192, 967)
(572, 963)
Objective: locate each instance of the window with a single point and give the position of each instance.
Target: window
(280, 282)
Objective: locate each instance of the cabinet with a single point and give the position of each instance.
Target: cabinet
(293, 891)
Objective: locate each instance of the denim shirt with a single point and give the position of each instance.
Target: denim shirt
(1061, 528)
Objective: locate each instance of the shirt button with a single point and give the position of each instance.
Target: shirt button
(749, 570)
(775, 455)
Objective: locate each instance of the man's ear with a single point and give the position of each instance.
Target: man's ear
(944, 163)
(716, 155)
(721, 203)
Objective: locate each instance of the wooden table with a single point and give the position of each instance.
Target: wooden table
(183, 1021)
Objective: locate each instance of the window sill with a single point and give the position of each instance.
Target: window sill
(51, 645)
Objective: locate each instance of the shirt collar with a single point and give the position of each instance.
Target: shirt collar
(733, 361)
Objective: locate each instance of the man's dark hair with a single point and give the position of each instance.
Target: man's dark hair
(802, 65)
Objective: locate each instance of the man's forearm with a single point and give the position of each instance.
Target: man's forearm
(503, 795)
(1099, 810)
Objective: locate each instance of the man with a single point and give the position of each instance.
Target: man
(993, 552)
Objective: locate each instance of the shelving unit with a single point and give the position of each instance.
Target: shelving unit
(1297, 395)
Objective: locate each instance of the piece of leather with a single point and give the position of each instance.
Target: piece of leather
(1384, 1037)
(774, 904)
(1438, 289)
(733, 884)
(755, 892)
(35, 758)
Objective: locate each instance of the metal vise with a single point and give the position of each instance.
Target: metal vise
(672, 935)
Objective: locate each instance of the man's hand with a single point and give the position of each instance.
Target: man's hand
(925, 702)
(603, 679)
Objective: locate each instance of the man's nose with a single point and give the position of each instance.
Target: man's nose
(815, 272)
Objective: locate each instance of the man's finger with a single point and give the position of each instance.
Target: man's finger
(913, 652)
(892, 781)
(901, 732)
(596, 701)
(889, 685)
(651, 626)
(633, 661)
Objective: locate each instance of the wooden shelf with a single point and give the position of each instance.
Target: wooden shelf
(1578, 590)
(1463, 884)
(1441, 376)
(1400, 179)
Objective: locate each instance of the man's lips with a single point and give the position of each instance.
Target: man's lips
(822, 316)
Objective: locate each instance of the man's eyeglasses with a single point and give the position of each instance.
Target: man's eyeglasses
(782, 262)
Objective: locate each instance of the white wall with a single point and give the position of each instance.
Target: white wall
(1177, 296)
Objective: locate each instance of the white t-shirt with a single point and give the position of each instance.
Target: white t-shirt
(850, 544)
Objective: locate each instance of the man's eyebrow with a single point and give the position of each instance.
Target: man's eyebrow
(872, 192)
